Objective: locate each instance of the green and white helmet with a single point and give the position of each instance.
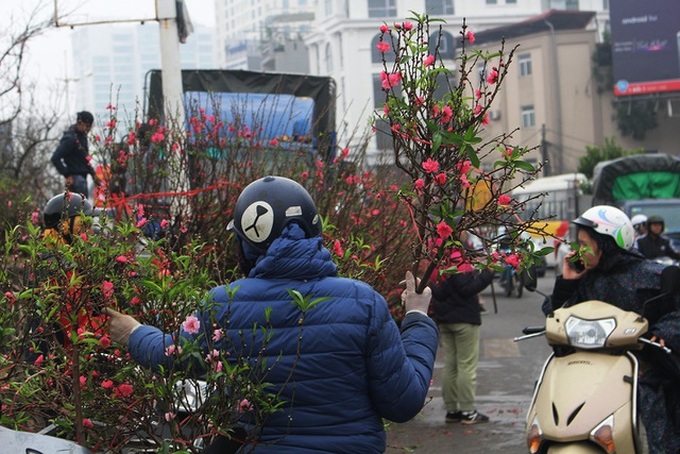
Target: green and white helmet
(609, 220)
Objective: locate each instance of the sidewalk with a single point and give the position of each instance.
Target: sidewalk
(506, 373)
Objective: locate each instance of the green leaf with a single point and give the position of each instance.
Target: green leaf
(524, 165)
(436, 141)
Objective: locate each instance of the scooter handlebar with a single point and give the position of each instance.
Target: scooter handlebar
(533, 329)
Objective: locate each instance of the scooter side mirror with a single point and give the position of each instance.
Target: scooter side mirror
(529, 278)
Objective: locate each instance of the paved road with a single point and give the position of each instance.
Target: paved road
(506, 374)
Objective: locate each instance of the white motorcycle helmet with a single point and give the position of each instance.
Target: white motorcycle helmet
(611, 221)
(638, 219)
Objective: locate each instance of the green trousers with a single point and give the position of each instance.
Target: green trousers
(461, 353)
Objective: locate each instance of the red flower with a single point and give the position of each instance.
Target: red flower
(382, 47)
(87, 423)
(492, 78)
(107, 289)
(513, 260)
(384, 28)
(447, 114)
(105, 342)
(470, 36)
(444, 230)
(337, 248)
(441, 178)
(504, 200)
(124, 390)
(431, 166)
(10, 298)
(419, 183)
(106, 384)
(390, 80)
(429, 60)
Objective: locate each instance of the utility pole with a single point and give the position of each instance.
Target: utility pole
(544, 153)
(558, 99)
(173, 107)
(166, 11)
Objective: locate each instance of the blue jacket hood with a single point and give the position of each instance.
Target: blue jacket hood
(292, 256)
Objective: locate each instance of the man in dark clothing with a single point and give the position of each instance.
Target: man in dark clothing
(654, 244)
(72, 158)
(457, 313)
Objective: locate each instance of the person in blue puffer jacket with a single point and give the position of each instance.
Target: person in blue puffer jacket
(354, 366)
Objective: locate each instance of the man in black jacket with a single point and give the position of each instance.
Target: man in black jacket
(654, 244)
(72, 157)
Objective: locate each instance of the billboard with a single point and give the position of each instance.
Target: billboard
(645, 46)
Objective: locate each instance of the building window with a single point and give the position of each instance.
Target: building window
(491, 2)
(439, 7)
(528, 116)
(605, 5)
(524, 65)
(382, 8)
(511, 2)
(447, 44)
(564, 4)
(328, 8)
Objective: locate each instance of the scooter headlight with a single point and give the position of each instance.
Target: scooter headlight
(589, 333)
(534, 436)
(603, 435)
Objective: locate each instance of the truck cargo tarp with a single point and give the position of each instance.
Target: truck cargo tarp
(645, 176)
(320, 89)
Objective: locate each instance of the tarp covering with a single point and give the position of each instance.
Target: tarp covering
(644, 176)
(320, 89)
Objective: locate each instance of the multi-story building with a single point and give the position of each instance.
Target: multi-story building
(346, 33)
(256, 34)
(111, 63)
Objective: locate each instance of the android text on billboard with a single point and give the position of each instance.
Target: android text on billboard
(645, 46)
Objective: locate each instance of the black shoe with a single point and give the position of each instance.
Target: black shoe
(473, 417)
(456, 416)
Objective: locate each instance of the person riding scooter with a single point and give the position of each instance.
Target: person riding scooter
(605, 268)
(654, 244)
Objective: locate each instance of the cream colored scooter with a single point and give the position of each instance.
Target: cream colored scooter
(585, 399)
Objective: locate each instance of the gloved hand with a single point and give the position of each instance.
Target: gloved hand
(120, 326)
(415, 301)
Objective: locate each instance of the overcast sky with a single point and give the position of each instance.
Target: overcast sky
(48, 53)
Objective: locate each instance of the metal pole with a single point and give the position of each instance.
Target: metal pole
(170, 61)
(558, 99)
(171, 71)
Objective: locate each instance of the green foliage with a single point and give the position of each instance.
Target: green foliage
(610, 150)
(439, 146)
(635, 117)
(57, 364)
